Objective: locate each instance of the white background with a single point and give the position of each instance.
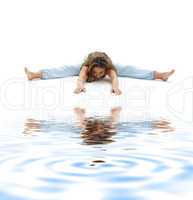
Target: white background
(155, 34)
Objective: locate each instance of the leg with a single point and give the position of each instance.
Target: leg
(134, 72)
(52, 73)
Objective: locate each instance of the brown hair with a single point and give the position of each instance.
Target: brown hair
(98, 131)
(97, 62)
(98, 59)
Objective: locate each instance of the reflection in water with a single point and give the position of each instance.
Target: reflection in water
(32, 125)
(55, 164)
(97, 130)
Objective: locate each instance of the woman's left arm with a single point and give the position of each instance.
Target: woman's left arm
(114, 81)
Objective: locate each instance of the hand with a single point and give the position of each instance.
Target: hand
(79, 89)
(117, 91)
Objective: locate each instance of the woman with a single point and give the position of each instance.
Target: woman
(96, 66)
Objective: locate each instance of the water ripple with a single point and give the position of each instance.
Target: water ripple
(64, 159)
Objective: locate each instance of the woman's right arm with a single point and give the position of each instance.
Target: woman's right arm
(81, 79)
(114, 81)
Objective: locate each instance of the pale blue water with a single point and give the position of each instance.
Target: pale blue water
(54, 159)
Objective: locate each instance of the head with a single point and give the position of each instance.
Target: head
(97, 69)
(98, 72)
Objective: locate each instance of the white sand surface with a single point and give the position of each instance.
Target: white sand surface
(54, 98)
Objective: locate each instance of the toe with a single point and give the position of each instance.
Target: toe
(172, 71)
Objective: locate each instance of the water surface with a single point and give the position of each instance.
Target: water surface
(96, 157)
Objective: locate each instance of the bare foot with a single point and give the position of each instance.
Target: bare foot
(166, 75)
(28, 73)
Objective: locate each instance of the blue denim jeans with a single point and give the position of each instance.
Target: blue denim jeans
(73, 70)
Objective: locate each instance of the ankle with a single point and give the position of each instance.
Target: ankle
(158, 75)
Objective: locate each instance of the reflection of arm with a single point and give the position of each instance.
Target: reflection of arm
(115, 112)
(80, 116)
